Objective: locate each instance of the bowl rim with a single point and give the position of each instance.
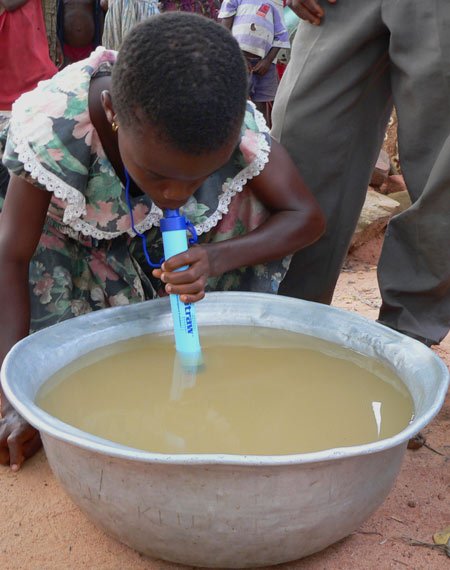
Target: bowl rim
(57, 429)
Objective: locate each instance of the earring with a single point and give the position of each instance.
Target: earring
(114, 126)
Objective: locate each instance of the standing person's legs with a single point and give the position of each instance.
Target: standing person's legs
(414, 269)
(263, 89)
(330, 113)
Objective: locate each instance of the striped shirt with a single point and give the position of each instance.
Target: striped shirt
(257, 25)
(122, 16)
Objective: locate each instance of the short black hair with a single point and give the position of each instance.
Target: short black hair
(186, 75)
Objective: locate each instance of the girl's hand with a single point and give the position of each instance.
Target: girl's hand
(189, 283)
(18, 440)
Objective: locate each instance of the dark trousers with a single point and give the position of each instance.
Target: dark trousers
(330, 113)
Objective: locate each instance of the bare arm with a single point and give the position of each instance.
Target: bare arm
(11, 5)
(295, 222)
(22, 220)
(263, 65)
(227, 22)
(309, 10)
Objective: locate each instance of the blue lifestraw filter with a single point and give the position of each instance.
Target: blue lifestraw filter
(174, 234)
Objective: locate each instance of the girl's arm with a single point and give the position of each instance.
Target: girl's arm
(21, 223)
(295, 222)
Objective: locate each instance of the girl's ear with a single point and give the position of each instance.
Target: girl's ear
(108, 107)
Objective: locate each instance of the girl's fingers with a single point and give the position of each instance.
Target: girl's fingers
(186, 289)
(32, 446)
(4, 450)
(184, 277)
(192, 298)
(4, 433)
(22, 440)
(189, 281)
(192, 255)
(4, 456)
(178, 277)
(16, 454)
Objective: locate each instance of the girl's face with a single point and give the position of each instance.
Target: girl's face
(167, 175)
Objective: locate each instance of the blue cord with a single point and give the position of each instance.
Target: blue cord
(191, 228)
(193, 240)
(142, 236)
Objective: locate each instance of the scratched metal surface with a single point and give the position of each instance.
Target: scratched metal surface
(223, 510)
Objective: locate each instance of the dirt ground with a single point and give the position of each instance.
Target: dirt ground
(41, 529)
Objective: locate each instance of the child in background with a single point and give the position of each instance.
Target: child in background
(122, 15)
(79, 28)
(24, 56)
(260, 32)
(163, 124)
(291, 21)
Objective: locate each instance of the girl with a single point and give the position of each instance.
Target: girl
(167, 119)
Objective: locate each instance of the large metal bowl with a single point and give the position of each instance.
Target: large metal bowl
(223, 510)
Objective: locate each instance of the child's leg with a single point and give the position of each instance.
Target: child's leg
(264, 90)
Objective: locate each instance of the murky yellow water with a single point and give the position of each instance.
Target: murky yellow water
(261, 392)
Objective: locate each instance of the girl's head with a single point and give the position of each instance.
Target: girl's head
(179, 90)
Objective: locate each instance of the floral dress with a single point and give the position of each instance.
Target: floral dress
(88, 257)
